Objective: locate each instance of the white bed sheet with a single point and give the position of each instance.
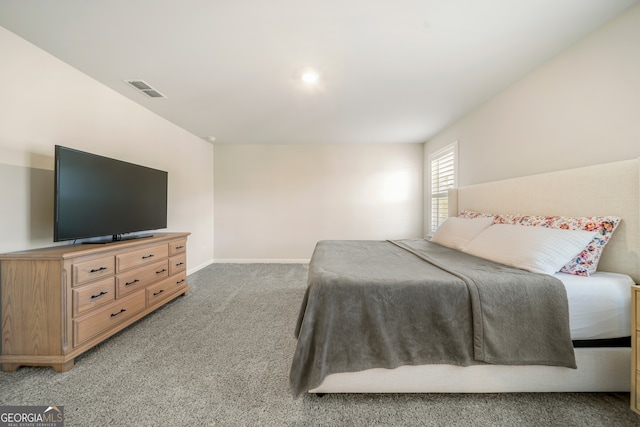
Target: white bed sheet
(599, 305)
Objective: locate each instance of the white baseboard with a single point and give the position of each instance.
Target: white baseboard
(200, 267)
(261, 261)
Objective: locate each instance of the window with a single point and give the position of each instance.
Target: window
(442, 176)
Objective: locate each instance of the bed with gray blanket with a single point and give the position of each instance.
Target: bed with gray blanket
(407, 316)
(385, 304)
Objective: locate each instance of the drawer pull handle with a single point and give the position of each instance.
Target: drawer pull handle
(148, 256)
(179, 281)
(99, 295)
(115, 314)
(179, 264)
(131, 283)
(155, 294)
(161, 271)
(95, 270)
(179, 247)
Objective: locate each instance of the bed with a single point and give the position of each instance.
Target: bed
(601, 362)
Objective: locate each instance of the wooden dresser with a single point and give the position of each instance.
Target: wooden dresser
(58, 302)
(635, 348)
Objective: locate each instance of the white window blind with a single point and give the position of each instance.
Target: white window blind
(442, 177)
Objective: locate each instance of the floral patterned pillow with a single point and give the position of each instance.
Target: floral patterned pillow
(473, 214)
(586, 262)
(497, 219)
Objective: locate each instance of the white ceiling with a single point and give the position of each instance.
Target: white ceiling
(391, 71)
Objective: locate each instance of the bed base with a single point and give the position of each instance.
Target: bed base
(606, 189)
(599, 370)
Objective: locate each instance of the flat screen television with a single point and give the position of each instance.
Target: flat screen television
(97, 196)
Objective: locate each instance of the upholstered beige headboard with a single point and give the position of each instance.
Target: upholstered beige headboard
(605, 189)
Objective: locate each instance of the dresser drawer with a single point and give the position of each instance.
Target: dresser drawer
(177, 264)
(85, 272)
(139, 278)
(637, 402)
(107, 317)
(88, 297)
(636, 349)
(141, 257)
(636, 295)
(180, 280)
(158, 292)
(178, 247)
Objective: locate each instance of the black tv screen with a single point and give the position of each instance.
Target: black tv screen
(99, 196)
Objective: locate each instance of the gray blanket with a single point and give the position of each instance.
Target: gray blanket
(383, 304)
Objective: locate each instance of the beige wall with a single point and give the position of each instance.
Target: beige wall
(580, 108)
(44, 102)
(275, 202)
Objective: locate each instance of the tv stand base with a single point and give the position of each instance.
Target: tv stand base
(117, 238)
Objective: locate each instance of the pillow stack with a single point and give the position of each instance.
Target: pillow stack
(457, 232)
(542, 244)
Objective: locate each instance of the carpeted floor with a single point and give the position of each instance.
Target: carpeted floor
(220, 356)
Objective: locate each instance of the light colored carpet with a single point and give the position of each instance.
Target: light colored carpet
(221, 355)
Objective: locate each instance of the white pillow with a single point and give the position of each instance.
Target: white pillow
(456, 232)
(538, 249)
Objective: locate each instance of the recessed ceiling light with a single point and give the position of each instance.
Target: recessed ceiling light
(310, 77)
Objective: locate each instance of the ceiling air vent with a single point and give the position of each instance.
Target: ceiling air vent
(145, 88)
